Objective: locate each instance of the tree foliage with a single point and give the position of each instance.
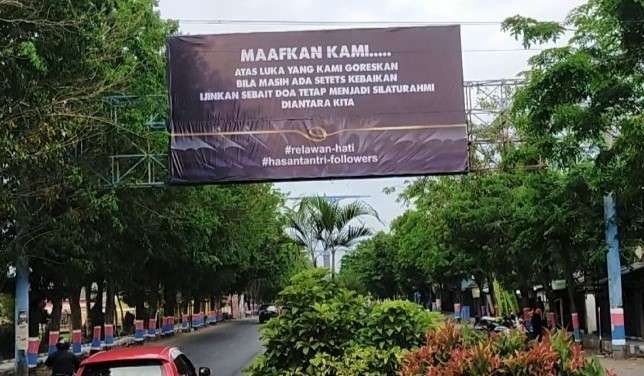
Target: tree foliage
(485, 227)
(579, 114)
(329, 224)
(370, 267)
(79, 81)
(302, 229)
(582, 103)
(453, 350)
(325, 329)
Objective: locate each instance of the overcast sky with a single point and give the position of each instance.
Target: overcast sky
(479, 63)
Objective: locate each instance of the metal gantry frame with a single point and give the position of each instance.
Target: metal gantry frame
(141, 170)
(489, 128)
(486, 99)
(486, 103)
(332, 198)
(145, 167)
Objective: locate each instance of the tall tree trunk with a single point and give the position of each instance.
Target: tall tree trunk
(213, 303)
(154, 300)
(570, 287)
(122, 315)
(141, 313)
(170, 297)
(97, 309)
(56, 311)
(197, 305)
(332, 262)
(570, 280)
(74, 307)
(36, 309)
(110, 308)
(492, 294)
(54, 319)
(88, 310)
(313, 258)
(524, 287)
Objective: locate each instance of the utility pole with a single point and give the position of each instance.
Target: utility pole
(21, 316)
(613, 263)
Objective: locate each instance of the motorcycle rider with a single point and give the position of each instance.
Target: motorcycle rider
(62, 362)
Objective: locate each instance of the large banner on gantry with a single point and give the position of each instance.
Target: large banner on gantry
(316, 105)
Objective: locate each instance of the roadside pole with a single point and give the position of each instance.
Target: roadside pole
(613, 263)
(21, 317)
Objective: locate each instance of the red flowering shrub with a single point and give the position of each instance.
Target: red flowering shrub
(459, 351)
(540, 359)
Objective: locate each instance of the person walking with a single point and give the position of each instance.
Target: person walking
(62, 362)
(540, 304)
(537, 324)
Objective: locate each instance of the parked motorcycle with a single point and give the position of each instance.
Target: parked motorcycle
(494, 324)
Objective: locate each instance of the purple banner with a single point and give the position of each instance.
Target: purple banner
(316, 104)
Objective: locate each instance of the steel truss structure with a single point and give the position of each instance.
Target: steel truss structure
(145, 167)
(486, 106)
(488, 125)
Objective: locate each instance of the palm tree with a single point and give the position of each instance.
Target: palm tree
(338, 226)
(303, 230)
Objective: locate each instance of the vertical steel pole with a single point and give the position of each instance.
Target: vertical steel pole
(21, 317)
(618, 334)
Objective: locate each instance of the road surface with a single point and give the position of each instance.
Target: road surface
(227, 348)
(624, 367)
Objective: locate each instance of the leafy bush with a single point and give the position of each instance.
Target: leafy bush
(511, 342)
(508, 303)
(396, 323)
(6, 308)
(357, 360)
(325, 329)
(539, 359)
(451, 350)
(317, 316)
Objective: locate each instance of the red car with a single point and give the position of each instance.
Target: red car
(140, 361)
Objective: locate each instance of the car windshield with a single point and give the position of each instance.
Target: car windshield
(138, 368)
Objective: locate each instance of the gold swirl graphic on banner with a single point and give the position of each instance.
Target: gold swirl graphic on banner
(317, 134)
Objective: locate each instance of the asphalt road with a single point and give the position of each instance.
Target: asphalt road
(227, 348)
(624, 367)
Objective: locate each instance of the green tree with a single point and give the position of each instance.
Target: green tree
(336, 225)
(582, 103)
(301, 228)
(493, 226)
(581, 110)
(79, 82)
(60, 59)
(371, 267)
